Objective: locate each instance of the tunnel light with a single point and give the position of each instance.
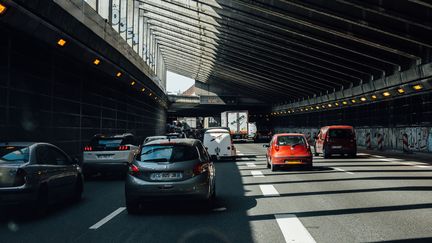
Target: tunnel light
(311, 108)
(3, 9)
(417, 87)
(317, 107)
(400, 91)
(363, 99)
(155, 98)
(150, 94)
(143, 89)
(301, 109)
(336, 104)
(133, 83)
(353, 101)
(386, 94)
(61, 42)
(344, 102)
(330, 105)
(96, 61)
(323, 106)
(374, 97)
(119, 74)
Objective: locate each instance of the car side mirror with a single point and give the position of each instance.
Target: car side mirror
(266, 146)
(77, 161)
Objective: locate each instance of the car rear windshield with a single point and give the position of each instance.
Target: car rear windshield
(341, 133)
(108, 142)
(167, 153)
(14, 154)
(290, 140)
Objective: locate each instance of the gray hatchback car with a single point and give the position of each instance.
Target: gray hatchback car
(170, 170)
(36, 174)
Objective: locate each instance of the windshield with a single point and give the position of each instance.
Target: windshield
(290, 140)
(14, 153)
(107, 142)
(341, 133)
(167, 153)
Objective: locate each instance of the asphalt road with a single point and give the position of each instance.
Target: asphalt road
(366, 199)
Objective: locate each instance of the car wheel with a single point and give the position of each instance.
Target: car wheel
(268, 164)
(273, 167)
(41, 205)
(79, 188)
(132, 207)
(326, 154)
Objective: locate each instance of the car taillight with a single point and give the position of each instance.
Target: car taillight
(88, 148)
(200, 168)
(20, 177)
(123, 147)
(133, 169)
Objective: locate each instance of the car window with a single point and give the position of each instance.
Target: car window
(341, 133)
(290, 140)
(203, 152)
(44, 157)
(59, 157)
(14, 154)
(167, 153)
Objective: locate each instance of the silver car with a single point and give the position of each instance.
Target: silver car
(37, 174)
(109, 154)
(170, 170)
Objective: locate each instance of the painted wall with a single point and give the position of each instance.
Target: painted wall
(418, 138)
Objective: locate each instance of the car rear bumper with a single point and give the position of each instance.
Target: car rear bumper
(17, 195)
(346, 150)
(195, 188)
(108, 167)
(292, 161)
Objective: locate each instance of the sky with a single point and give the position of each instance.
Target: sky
(177, 82)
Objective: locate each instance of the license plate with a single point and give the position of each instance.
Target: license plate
(293, 162)
(105, 156)
(166, 176)
(336, 147)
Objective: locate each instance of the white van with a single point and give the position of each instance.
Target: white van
(219, 144)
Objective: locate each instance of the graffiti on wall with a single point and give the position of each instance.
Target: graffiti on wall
(417, 138)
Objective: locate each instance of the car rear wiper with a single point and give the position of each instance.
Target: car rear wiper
(157, 160)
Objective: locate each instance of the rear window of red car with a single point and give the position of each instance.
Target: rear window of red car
(290, 140)
(341, 133)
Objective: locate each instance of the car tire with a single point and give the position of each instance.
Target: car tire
(326, 154)
(42, 201)
(273, 167)
(78, 190)
(132, 207)
(267, 162)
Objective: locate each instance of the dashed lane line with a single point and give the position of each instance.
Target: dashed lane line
(107, 218)
(292, 229)
(257, 173)
(269, 190)
(339, 169)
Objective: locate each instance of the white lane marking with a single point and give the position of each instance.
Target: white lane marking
(292, 229)
(250, 164)
(240, 154)
(421, 166)
(107, 218)
(339, 169)
(257, 173)
(377, 156)
(269, 190)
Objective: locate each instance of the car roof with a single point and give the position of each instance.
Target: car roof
(175, 141)
(162, 136)
(290, 134)
(339, 127)
(113, 135)
(21, 144)
(218, 130)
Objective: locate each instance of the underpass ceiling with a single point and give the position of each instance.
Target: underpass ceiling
(287, 50)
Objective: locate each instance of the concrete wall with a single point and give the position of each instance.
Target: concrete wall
(419, 138)
(46, 95)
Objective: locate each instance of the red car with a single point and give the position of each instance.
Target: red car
(288, 149)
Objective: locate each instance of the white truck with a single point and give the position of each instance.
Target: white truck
(237, 122)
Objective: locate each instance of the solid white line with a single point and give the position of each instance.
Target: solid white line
(339, 169)
(107, 218)
(250, 164)
(269, 190)
(292, 229)
(257, 173)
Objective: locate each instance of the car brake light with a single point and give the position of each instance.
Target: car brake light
(20, 177)
(88, 148)
(133, 169)
(200, 168)
(123, 147)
